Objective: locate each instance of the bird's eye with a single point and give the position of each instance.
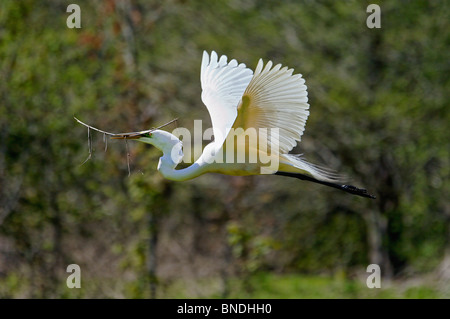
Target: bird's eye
(148, 134)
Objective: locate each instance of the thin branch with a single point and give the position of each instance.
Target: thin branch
(96, 129)
(121, 135)
(124, 134)
(161, 126)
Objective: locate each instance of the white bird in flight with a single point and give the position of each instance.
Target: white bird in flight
(239, 99)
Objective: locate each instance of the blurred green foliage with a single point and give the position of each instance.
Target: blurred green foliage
(379, 113)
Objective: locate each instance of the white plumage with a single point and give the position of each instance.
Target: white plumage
(223, 85)
(271, 99)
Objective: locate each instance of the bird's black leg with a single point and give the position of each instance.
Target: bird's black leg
(346, 188)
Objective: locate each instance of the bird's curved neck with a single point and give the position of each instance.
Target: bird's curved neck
(173, 155)
(168, 170)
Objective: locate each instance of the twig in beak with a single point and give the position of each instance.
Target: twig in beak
(125, 136)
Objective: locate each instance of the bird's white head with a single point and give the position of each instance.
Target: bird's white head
(168, 143)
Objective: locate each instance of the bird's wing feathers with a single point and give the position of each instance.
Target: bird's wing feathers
(223, 84)
(275, 99)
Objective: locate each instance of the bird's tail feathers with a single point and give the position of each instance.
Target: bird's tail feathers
(294, 162)
(295, 166)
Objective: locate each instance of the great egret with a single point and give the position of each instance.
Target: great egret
(271, 99)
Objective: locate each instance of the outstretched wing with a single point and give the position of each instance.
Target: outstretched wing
(223, 84)
(275, 99)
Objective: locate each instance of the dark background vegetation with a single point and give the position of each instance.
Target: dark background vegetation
(379, 114)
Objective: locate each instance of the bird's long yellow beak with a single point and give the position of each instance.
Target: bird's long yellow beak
(127, 136)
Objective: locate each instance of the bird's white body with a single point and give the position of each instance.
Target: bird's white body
(270, 100)
(209, 162)
(213, 160)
